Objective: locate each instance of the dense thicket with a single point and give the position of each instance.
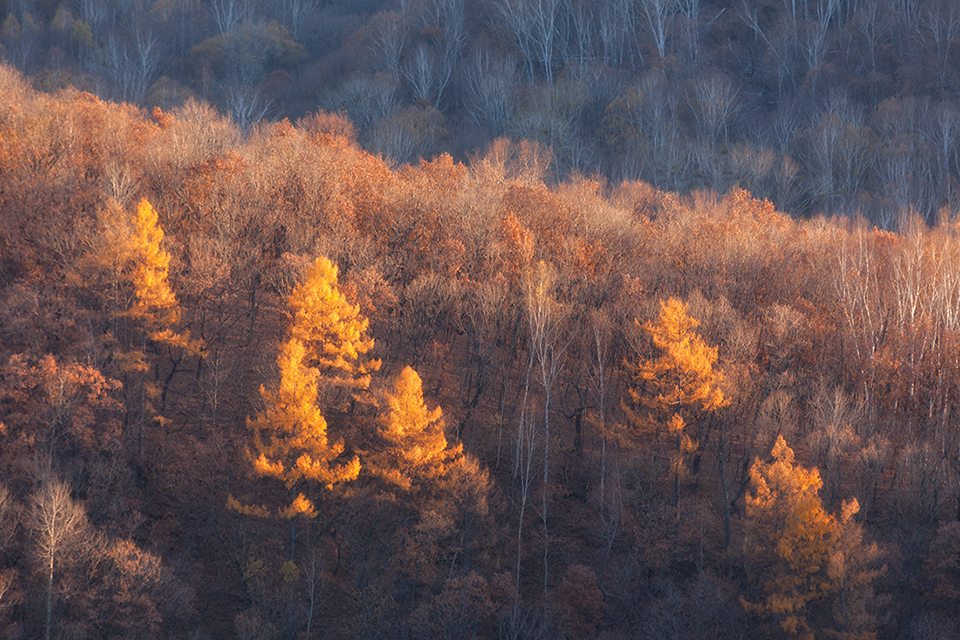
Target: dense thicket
(576, 482)
(822, 106)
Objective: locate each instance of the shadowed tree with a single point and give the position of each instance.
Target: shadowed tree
(57, 523)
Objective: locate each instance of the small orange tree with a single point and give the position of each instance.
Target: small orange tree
(416, 446)
(678, 387)
(804, 555)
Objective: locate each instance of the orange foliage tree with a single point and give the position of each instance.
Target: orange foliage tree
(416, 446)
(155, 308)
(678, 387)
(327, 343)
(803, 555)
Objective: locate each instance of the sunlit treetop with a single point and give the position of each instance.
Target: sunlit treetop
(156, 305)
(416, 446)
(684, 374)
(332, 329)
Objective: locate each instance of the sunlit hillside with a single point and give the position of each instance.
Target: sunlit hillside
(824, 107)
(265, 384)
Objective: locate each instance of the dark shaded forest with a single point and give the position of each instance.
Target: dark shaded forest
(265, 384)
(821, 106)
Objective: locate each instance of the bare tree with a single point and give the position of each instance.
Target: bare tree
(600, 381)
(96, 13)
(942, 133)
(366, 98)
(660, 16)
(295, 14)
(940, 25)
(690, 10)
(545, 17)
(57, 523)
(247, 105)
(545, 318)
(581, 44)
(822, 147)
(533, 26)
(227, 15)
(386, 42)
(783, 44)
(22, 39)
(814, 41)
(421, 71)
(490, 83)
(872, 28)
(519, 20)
(613, 26)
(714, 101)
(450, 17)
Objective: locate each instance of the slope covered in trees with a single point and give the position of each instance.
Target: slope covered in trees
(508, 470)
(822, 106)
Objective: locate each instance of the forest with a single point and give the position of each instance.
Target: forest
(340, 320)
(269, 385)
(821, 106)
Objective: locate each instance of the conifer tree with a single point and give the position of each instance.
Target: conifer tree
(416, 446)
(803, 555)
(333, 331)
(326, 344)
(134, 247)
(156, 306)
(678, 387)
(789, 538)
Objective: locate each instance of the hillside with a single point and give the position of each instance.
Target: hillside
(663, 416)
(822, 106)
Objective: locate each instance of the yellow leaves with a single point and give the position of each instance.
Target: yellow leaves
(801, 552)
(334, 329)
(132, 248)
(677, 387)
(254, 510)
(152, 266)
(325, 342)
(267, 468)
(416, 446)
(675, 424)
(133, 361)
(683, 378)
(300, 506)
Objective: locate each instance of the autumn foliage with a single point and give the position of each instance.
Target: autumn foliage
(201, 325)
(325, 343)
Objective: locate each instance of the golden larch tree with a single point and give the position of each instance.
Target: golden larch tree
(416, 446)
(333, 330)
(788, 539)
(156, 306)
(133, 245)
(677, 388)
(326, 343)
(803, 556)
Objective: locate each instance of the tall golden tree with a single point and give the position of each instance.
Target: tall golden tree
(326, 343)
(677, 388)
(333, 330)
(156, 306)
(131, 247)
